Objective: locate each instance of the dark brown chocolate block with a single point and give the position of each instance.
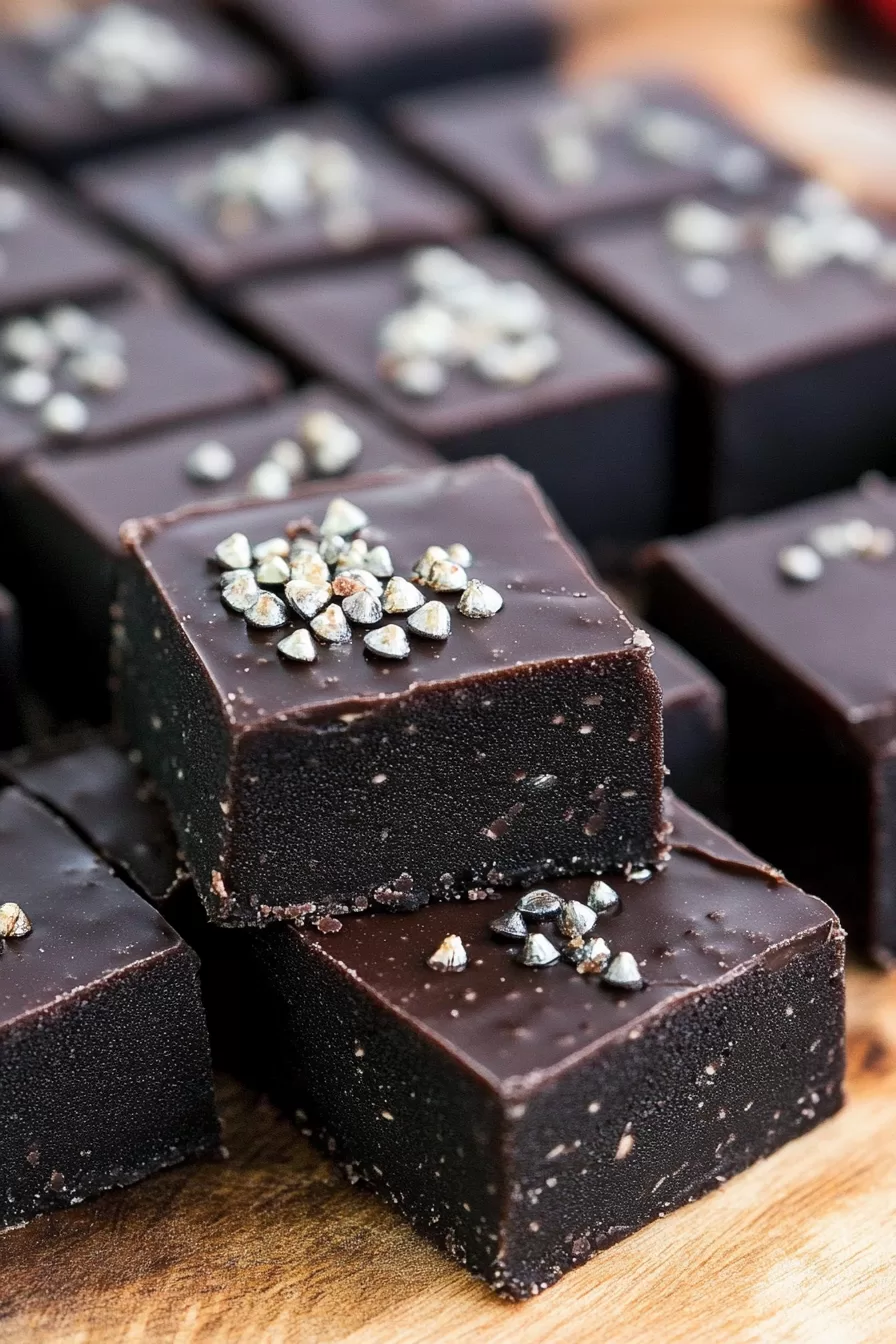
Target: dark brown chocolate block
(365, 51)
(300, 187)
(593, 429)
(806, 668)
(545, 155)
(525, 743)
(774, 320)
(47, 250)
(123, 72)
(105, 1060)
(65, 511)
(140, 364)
(524, 1118)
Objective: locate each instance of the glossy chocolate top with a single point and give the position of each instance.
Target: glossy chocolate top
(714, 910)
(103, 796)
(553, 610)
(329, 323)
(761, 323)
(105, 487)
(52, 253)
(145, 193)
(833, 636)
(485, 134)
(46, 116)
(179, 366)
(87, 924)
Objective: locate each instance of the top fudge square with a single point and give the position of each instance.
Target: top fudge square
(489, 719)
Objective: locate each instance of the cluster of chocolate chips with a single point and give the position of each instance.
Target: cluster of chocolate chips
(14, 923)
(819, 227)
(461, 317)
(283, 178)
(123, 55)
(804, 562)
(568, 134)
(334, 579)
(324, 445)
(574, 922)
(50, 364)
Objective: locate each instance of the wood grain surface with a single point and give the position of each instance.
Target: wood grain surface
(273, 1246)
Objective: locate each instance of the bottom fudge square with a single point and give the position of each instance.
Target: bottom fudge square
(791, 612)
(104, 1056)
(413, 692)
(528, 1095)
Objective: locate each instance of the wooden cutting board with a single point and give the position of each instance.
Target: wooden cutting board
(274, 1247)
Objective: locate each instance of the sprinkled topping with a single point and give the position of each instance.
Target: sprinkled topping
(234, 552)
(14, 923)
(576, 919)
(446, 577)
(266, 612)
(309, 568)
(64, 414)
(272, 571)
(307, 599)
(450, 955)
(401, 597)
(363, 608)
(539, 904)
(427, 560)
(800, 564)
(593, 957)
(431, 621)
(342, 518)
(640, 639)
(460, 554)
(278, 546)
(378, 562)
(537, 951)
(478, 600)
(353, 555)
(210, 463)
(331, 442)
(694, 226)
(331, 627)
(269, 480)
(298, 647)
(601, 897)
(389, 641)
(623, 973)
(122, 56)
(511, 926)
(241, 593)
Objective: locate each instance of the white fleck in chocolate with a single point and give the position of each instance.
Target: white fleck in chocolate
(14, 923)
(27, 387)
(400, 597)
(330, 440)
(269, 480)
(298, 647)
(342, 518)
(26, 340)
(266, 612)
(446, 577)
(307, 599)
(431, 621)
(378, 562)
(539, 904)
(290, 456)
(234, 552)
(601, 897)
(623, 973)
(210, 463)
(593, 957)
(640, 639)
(362, 608)
(101, 371)
(479, 601)
(274, 570)
(640, 875)
(450, 955)
(510, 925)
(576, 919)
(388, 641)
(537, 951)
(701, 228)
(64, 414)
(241, 593)
(331, 627)
(800, 564)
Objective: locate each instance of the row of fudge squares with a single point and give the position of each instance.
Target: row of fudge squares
(472, 1072)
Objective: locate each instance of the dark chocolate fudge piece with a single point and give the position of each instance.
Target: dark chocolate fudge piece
(105, 1061)
(480, 351)
(782, 322)
(515, 735)
(791, 613)
(81, 375)
(119, 72)
(368, 50)
(10, 672)
(545, 156)
(47, 250)
(298, 188)
(525, 1116)
(65, 509)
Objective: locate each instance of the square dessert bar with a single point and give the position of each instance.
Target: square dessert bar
(791, 613)
(106, 1075)
(468, 718)
(84, 374)
(65, 509)
(48, 251)
(527, 1103)
(545, 155)
(84, 80)
(774, 316)
(299, 187)
(481, 351)
(367, 50)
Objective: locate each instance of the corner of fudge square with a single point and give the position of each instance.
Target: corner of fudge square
(414, 693)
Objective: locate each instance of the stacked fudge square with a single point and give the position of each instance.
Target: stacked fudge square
(387, 757)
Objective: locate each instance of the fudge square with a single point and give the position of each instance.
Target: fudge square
(523, 1110)
(365, 52)
(65, 509)
(774, 317)
(545, 156)
(300, 187)
(106, 1074)
(790, 612)
(495, 721)
(479, 350)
